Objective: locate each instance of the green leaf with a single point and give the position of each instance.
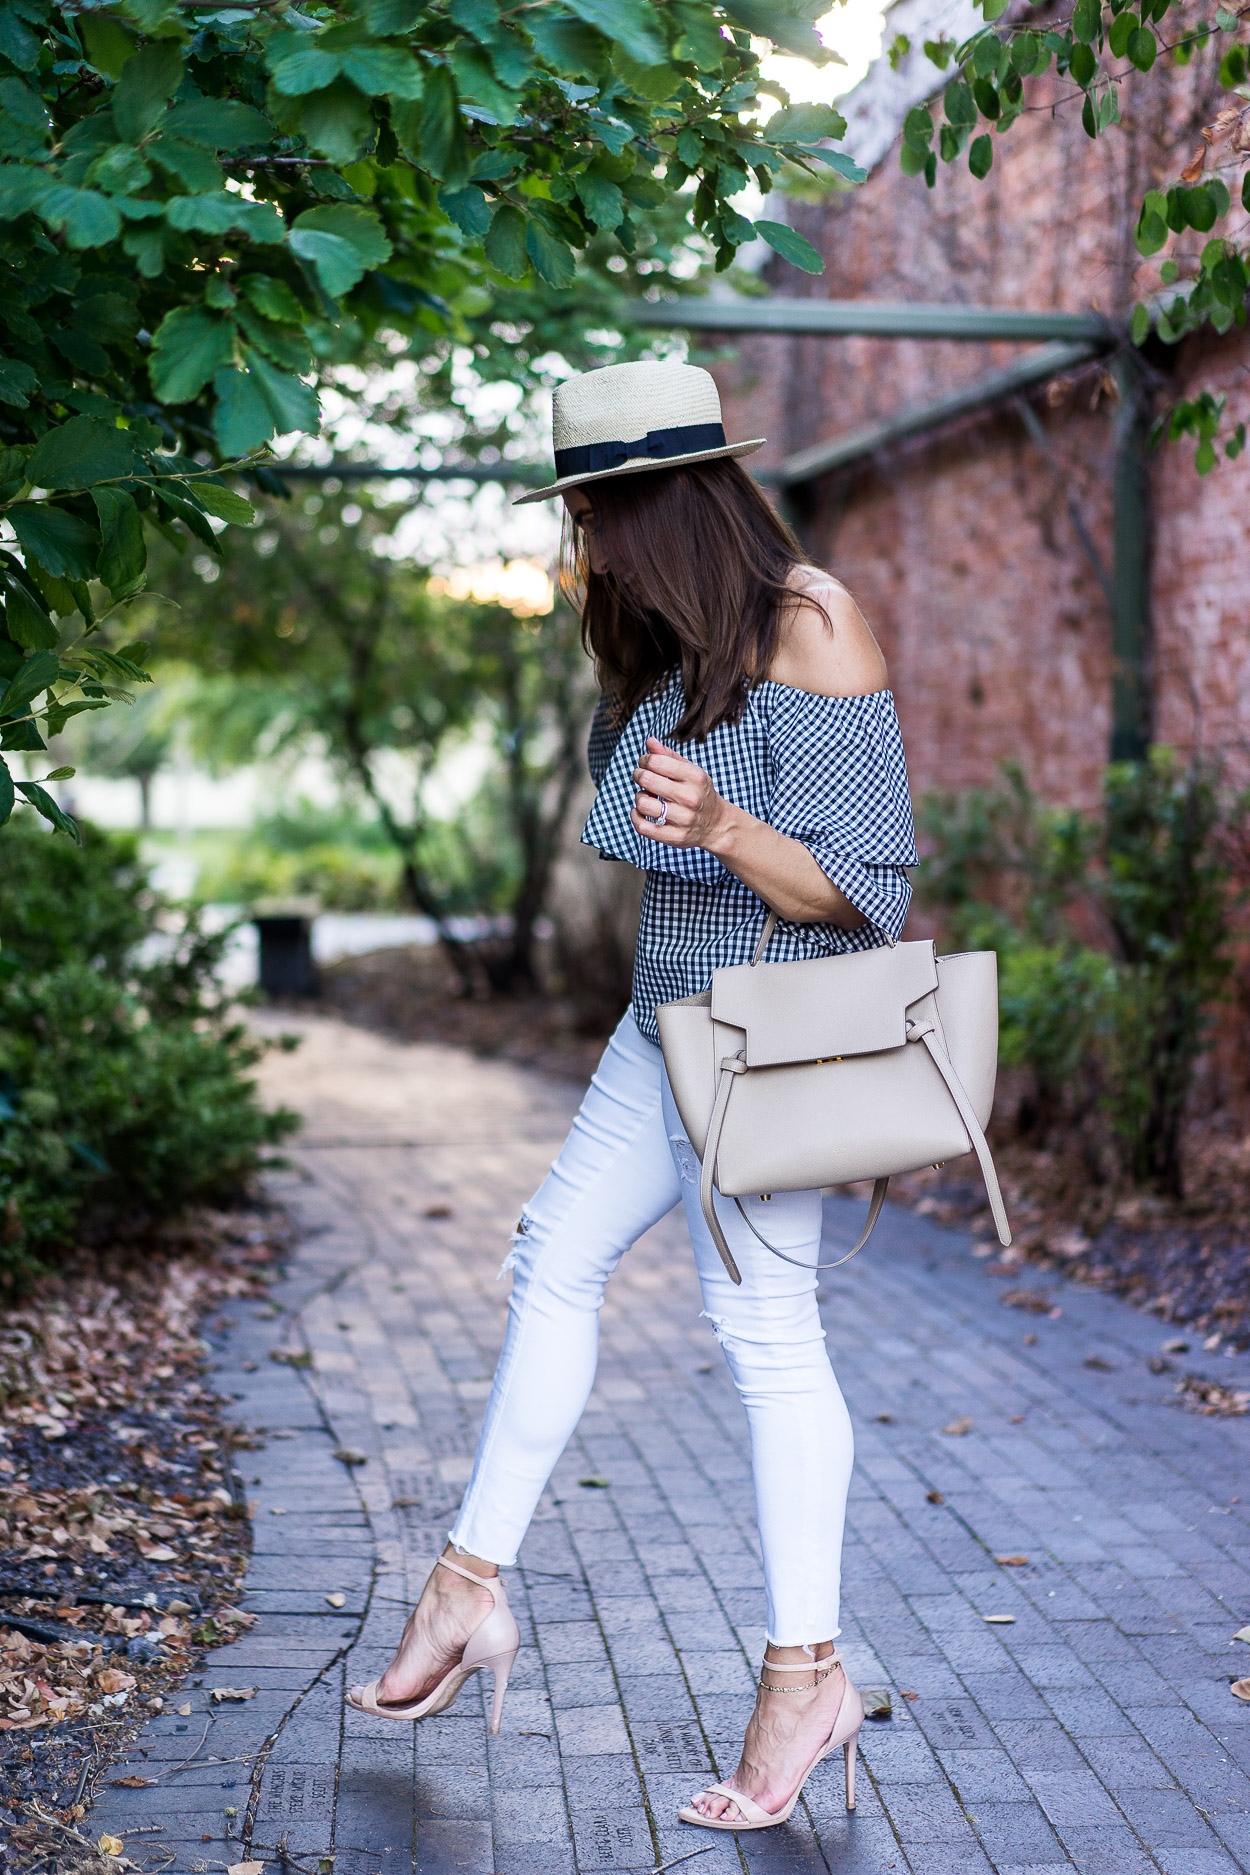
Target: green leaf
(787, 24)
(189, 346)
(214, 213)
(8, 794)
(84, 216)
(981, 156)
(78, 453)
(1122, 26)
(602, 200)
(993, 9)
(468, 208)
(218, 123)
(287, 346)
(804, 123)
(242, 419)
(24, 120)
(569, 46)
(1139, 326)
(553, 259)
(1087, 20)
(123, 555)
(26, 622)
(791, 245)
(505, 242)
(301, 64)
(60, 542)
(252, 404)
(148, 82)
(40, 799)
(986, 94)
(224, 503)
(960, 103)
(1142, 48)
(33, 678)
(337, 122)
(273, 298)
(17, 380)
(1152, 227)
(633, 25)
(476, 82)
(383, 71)
(1082, 64)
(343, 242)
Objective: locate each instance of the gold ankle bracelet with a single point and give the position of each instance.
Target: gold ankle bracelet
(810, 1687)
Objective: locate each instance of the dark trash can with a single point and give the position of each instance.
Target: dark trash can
(284, 927)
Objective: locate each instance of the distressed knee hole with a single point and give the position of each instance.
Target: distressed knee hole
(686, 1159)
(524, 1225)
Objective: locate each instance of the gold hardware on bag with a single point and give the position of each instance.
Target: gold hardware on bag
(938, 1164)
(822, 1061)
(766, 1197)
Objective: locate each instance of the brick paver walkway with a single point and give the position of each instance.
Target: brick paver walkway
(1095, 1731)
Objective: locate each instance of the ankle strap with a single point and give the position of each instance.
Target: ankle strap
(820, 1669)
(487, 1582)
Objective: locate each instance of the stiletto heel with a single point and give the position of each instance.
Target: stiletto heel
(845, 1734)
(494, 1643)
(500, 1669)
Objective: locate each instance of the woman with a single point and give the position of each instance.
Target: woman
(747, 756)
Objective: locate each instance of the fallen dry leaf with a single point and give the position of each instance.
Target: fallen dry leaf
(110, 1845)
(1031, 1299)
(911, 1695)
(218, 1693)
(877, 1702)
(595, 1483)
(1012, 1562)
(1241, 1689)
(351, 1455)
(1242, 1634)
(957, 1428)
(245, 1868)
(1211, 1397)
(337, 1599)
(999, 1621)
(885, 1419)
(184, 1712)
(934, 1497)
(132, 1783)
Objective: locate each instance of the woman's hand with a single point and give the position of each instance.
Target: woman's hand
(676, 802)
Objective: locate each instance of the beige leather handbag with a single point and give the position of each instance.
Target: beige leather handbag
(791, 1076)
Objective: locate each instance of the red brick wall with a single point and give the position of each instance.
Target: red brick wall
(961, 546)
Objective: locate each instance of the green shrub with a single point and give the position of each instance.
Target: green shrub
(1109, 1035)
(124, 1086)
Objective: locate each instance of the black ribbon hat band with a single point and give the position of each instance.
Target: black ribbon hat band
(685, 440)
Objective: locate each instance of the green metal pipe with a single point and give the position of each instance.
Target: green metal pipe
(870, 318)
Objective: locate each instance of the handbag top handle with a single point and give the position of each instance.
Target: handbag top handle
(770, 925)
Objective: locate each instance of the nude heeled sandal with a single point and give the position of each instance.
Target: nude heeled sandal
(845, 1735)
(493, 1643)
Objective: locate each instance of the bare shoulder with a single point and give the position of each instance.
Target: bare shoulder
(825, 644)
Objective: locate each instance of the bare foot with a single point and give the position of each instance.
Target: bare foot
(785, 1732)
(434, 1634)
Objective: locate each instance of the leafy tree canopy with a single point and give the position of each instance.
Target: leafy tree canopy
(202, 209)
(1098, 46)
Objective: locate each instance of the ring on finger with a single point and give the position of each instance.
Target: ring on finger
(662, 816)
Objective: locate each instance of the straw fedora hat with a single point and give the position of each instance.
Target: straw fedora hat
(623, 418)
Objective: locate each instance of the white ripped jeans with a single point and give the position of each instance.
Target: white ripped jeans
(625, 1164)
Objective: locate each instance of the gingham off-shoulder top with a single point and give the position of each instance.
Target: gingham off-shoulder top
(828, 771)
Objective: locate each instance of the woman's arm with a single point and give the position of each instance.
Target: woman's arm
(778, 869)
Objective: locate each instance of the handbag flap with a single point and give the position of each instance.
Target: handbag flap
(854, 1003)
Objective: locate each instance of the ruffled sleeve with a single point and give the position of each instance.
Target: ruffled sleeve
(839, 786)
(605, 732)
(609, 826)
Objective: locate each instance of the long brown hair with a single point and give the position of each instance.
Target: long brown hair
(700, 564)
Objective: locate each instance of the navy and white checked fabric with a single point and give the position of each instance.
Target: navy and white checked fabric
(828, 771)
